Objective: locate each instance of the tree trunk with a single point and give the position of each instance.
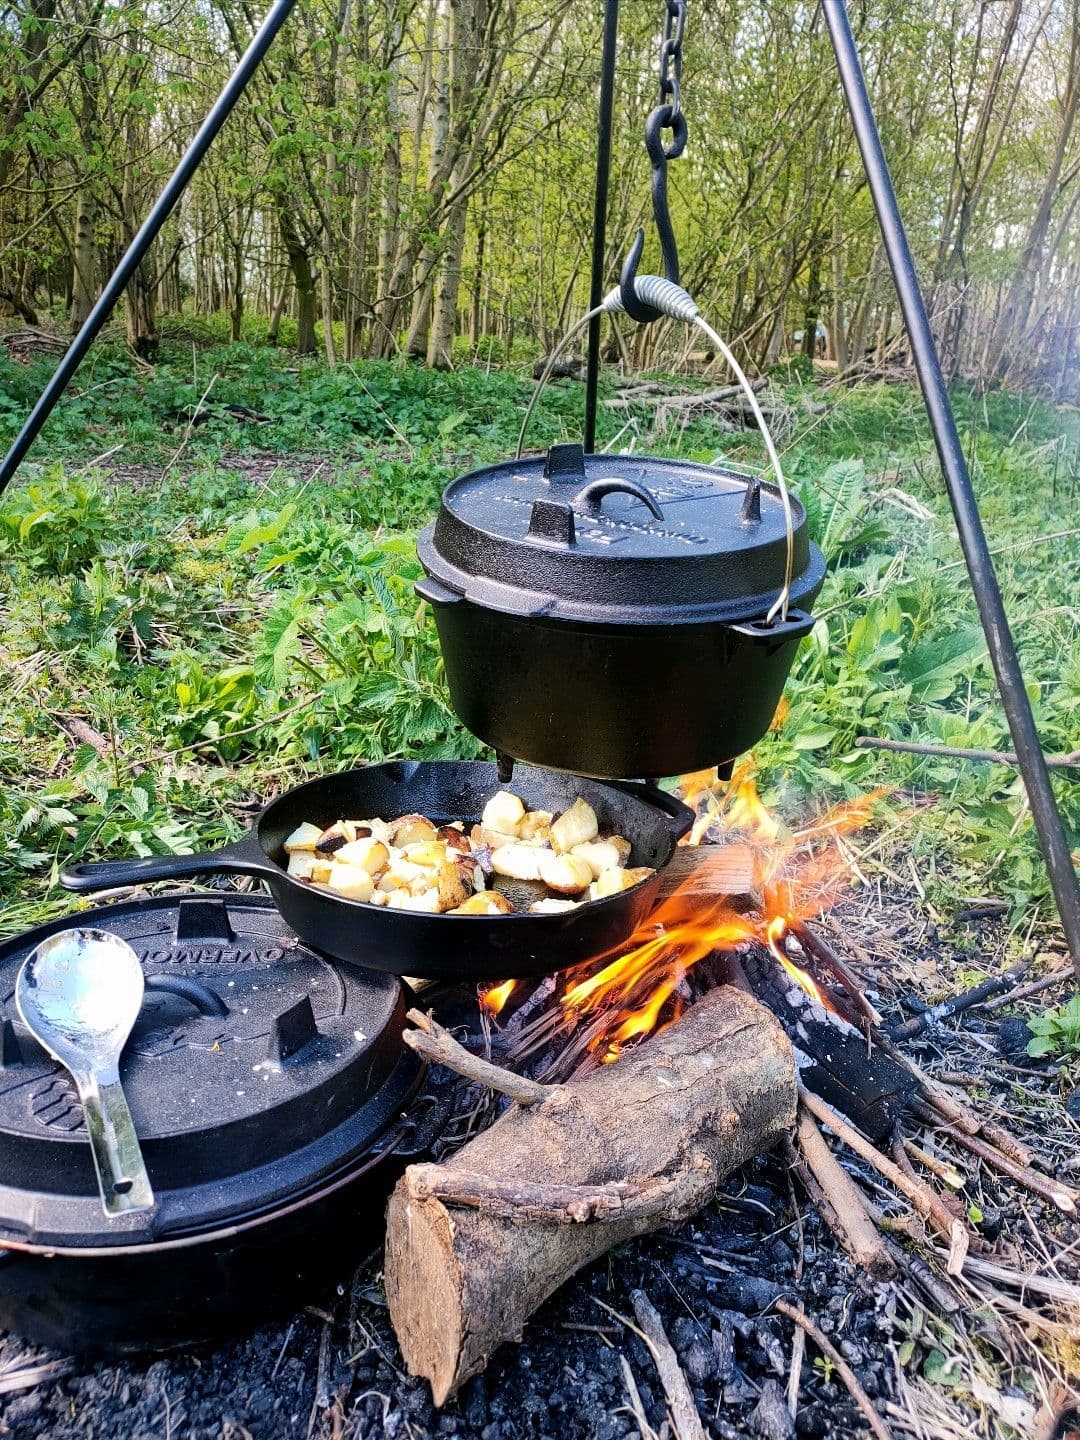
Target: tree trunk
(444, 320)
(670, 1120)
(304, 279)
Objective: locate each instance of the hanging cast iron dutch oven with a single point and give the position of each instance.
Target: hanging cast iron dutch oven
(275, 1106)
(607, 614)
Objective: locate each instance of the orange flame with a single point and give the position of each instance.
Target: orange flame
(796, 876)
(494, 999)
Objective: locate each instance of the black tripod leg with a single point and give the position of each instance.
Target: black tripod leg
(133, 256)
(999, 640)
(603, 175)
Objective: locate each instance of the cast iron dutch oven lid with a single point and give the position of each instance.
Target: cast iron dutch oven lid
(616, 538)
(258, 1071)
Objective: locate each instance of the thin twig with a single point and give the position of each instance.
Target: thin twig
(434, 1043)
(1063, 1196)
(843, 1369)
(685, 1419)
(1071, 761)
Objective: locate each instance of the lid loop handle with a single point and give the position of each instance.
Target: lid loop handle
(590, 497)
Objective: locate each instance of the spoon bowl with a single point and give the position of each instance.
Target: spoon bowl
(79, 994)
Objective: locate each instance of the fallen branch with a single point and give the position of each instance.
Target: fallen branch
(1059, 1194)
(957, 1004)
(439, 1046)
(926, 1201)
(1071, 761)
(685, 1419)
(855, 1230)
(686, 1106)
(843, 1369)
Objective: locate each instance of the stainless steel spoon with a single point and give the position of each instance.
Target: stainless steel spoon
(79, 993)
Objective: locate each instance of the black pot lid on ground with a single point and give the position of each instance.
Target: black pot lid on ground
(257, 1071)
(618, 539)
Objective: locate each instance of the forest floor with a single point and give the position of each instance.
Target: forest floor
(210, 566)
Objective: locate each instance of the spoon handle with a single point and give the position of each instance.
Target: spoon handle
(118, 1158)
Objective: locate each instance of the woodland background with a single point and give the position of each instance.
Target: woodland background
(415, 175)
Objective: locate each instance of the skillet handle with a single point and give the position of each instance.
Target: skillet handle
(679, 816)
(244, 857)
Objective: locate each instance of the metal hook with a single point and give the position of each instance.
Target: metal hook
(664, 117)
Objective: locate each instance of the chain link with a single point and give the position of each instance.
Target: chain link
(671, 55)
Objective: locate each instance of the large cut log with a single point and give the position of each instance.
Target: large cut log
(475, 1245)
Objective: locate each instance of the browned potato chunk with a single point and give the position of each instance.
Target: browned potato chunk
(493, 839)
(411, 830)
(369, 854)
(574, 827)
(535, 825)
(503, 812)
(565, 874)
(621, 844)
(599, 855)
(429, 853)
(304, 837)
(335, 836)
(611, 882)
(454, 838)
(520, 862)
(486, 902)
(455, 883)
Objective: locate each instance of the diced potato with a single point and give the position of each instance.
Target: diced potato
(303, 837)
(351, 881)
(411, 830)
(486, 902)
(493, 839)
(454, 838)
(611, 882)
(320, 869)
(376, 828)
(503, 812)
(565, 874)
(380, 897)
(551, 906)
(599, 855)
(369, 854)
(535, 825)
(301, 864)
(455, 883)
(427, 901)
(401, 875)
(621, 844)
(335, 836)
(574, 827)
(429, 853)
(520, 862)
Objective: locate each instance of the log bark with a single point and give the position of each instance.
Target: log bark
(686, 1108)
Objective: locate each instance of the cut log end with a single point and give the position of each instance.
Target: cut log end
(664, 1126)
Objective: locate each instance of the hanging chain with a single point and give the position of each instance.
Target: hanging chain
(666, 116)
(671, 60)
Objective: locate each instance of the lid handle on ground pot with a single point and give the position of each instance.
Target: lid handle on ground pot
(552, 521)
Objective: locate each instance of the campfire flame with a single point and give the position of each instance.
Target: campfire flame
(792, 877)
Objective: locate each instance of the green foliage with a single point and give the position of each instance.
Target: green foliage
(57, 524)
(231, 631)
(1056, 1032)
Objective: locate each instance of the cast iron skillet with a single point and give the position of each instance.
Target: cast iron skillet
(467, 947)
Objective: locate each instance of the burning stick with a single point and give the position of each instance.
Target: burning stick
(686, 1107)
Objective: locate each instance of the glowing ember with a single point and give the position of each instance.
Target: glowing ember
(492, 1001)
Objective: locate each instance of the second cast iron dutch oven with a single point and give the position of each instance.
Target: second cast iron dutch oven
(610, 615)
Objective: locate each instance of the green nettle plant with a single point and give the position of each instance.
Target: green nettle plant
(1056, 1032)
